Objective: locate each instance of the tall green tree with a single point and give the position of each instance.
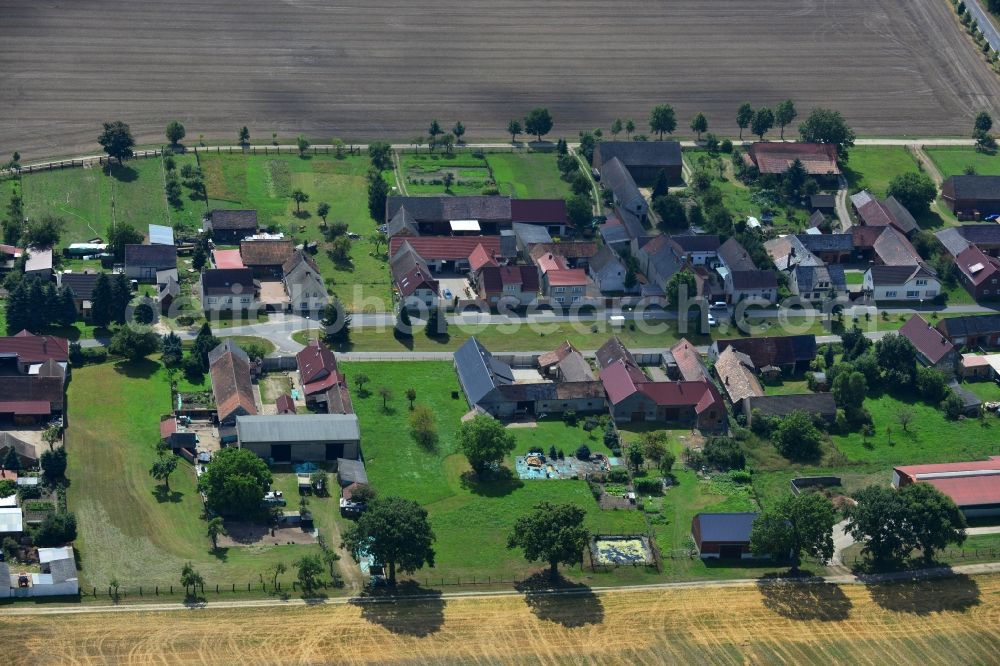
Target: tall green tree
(796, 524)
(235, 482)
(579, 211)
(173, 352)
(538, 122)
(744, 115)
(121, 296)
(309, 568)
(396, 532)
(784, 114)
(65, 314)
(797, 437)
(191, 579)
(380, 154)
(204, 342)
(133, 342)
(662, 119)
(763, 121)
(616, 127)
(914, 190)
(102, 305)
(699, 124)
(244, 136)
(162, 468)
(552, 533)
(43, 231)
(671, 212)
(897, 360)
(828, 126)
(459, 131)
(215, 528)
(681, 283)
(175, 132)
(303, 144)
(485, 442)
(117, 141)
(378, 192)
(299, 197)
(879, 520)
(514, 128)
(935, 521)
(120, 235)
(984, 122)
(629, 128)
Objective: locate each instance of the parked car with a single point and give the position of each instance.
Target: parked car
(446, 294)
(274, 498)
(719, 305)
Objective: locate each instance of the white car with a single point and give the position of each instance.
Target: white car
(711, 320)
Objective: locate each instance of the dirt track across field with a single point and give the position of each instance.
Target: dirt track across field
(952, 620)
(363, 70)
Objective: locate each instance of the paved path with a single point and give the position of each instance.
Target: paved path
(843, 214)
(980, 531)
(846, 579)
(841, 542)
(989, 28)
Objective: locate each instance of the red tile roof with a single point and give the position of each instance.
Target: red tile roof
(232, 385)
(620, 381)
(35, 348)
(984, 265)
(550, 262)
(700, 394)
(688, 360)
(446, 248)
(285, 404)
(480, 257)
(818, 158)
(168, 427)
(315, 362)
(967, 484)
(415, 279)
(570, 277)
(927, 339)
(227, 259)
(548, 211)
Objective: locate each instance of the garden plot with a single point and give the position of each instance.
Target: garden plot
(615, 551)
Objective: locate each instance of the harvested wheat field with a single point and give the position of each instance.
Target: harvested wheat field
(953, 620)
(362, 70)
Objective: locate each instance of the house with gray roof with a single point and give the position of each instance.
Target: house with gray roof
(723, 535)
(229, 227)
(901, 283)
(608, 271)
(442, 215)
(57, 576)
(660, 259)
(284, 438)
(627, 197)
(303, 283)
(698, 249)
(481, 376)
(814, 283)
(142, 262)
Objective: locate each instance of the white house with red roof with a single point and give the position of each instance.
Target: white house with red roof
(322, 382)
(933, 349)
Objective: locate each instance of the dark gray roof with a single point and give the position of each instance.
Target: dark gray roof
(896, 275)
(726, 527)
(821, 404)
(400, 222)
(225, 346)
(981, 233)
(632, 223)
(478, 372)
(985, 188)
(81, 284)
(969, 399)
(228, 281)
(827, 242)
(234, 219)
(775, 350)
(62, 570)
(604, 257)
(986, 324)
(351, 471)
(816, 219)
(640, 153)
(697, 243)
(613, 234)
(444, 209)
(953, 240)
(904, 220)
(808, 277)
(754, 279)
(735, 256)
(615, 177)
(160, 256)
(823, 200)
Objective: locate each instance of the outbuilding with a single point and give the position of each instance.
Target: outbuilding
(304, 437)
(724, 536)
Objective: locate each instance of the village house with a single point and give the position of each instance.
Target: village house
(874, 213)
(229, 227)
(684, 362)
(507, 286)
(563, 284)
(980, 273)
(81, 285)
(972, 331)
(644, 160)
(933, 349)
(303, 283)
(228, 290)
(548, 214)
(323, 385)
(817, 283)
(901, 283)
(33, 371)
(700, 249)
(450, 254)
(659, 259)
(615, 235)
(737, 377)
(626, 196)
(231, 371)
(741, 277)
(416, 287)
(972, 197)
(789, 354)
(608, 271)
(39, 262)
(142, 262)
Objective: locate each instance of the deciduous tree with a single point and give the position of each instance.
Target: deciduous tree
(796, 524)
(396, 532)
(117, 141)
(784, 114)
(763, 121)
(235, 482)
(485, 442)
(162, 468)
(743, 117)
(935, 520)
(828, 126)
(175, 132)
(797, 437)
(538, 122)
(662, 119)
(216, 528)
(914, 190)
(552, 533)
(699, 124)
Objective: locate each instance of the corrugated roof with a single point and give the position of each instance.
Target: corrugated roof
(158, 256)
(446, 248)
(160, 235)
(288, 429)
(616, 177)
(981, 188)
(478, 372)
(232, 220)
(640, 153)
(725, 527)
(266, 252)
(447, 208)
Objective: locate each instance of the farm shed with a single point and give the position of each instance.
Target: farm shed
(305, 437)
(973, 486)
(350, 472)
(723, 535)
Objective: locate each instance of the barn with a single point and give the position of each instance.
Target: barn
(724, 536)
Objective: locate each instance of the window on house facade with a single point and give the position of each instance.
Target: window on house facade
(559, 290)
(912, 294)
(890, 294)
(921, 283)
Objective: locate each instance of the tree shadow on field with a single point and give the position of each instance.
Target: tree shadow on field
(805, 598)
(141, 369)
(561, 601)
(122, 173)
(163, 495)
(419, 616)
(956, 593)
(500, 483)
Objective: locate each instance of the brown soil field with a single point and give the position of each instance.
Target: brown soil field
(945, 621)
(362, 70)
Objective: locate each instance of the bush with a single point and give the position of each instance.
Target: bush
(649, 487)
(591, 423)
(570, 417)
(952, 406)
(726, 146)
(56, 530)
(741, 476)
(583, 453)
(617, 475)
(724, 453)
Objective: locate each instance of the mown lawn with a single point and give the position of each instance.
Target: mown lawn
(91, 199)
(873, 167)
(266, 183)
(528, 175)
(953, 160)
(986, 390)
(471, 519)
(128, 528)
